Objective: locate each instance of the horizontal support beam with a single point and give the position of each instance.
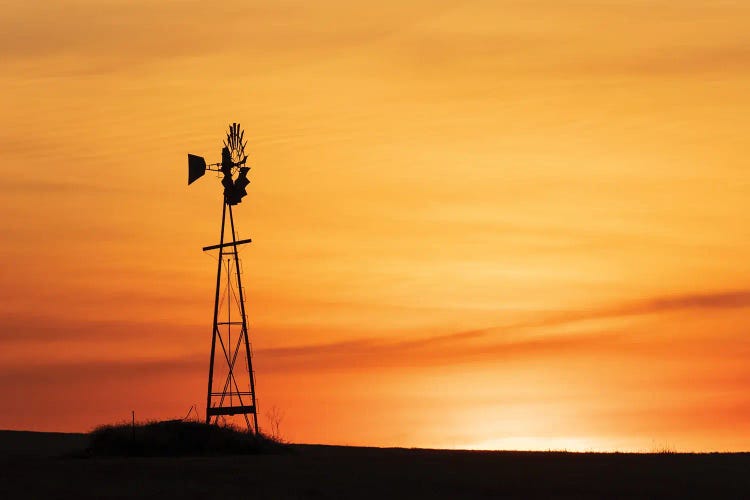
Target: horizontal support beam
(230, 410)
(231, 244)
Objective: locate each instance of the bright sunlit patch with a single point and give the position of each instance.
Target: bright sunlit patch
(531, 443)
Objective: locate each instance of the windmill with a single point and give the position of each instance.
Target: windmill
(231, 380)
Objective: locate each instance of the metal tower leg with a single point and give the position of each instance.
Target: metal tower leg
(216, 312)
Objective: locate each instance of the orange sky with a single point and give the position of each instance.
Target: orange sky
(497, 224)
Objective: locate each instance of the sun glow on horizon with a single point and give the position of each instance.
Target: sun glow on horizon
(534, 443)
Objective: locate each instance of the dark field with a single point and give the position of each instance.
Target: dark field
(33, 465)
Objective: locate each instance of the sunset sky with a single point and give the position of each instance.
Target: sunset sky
(483, 224)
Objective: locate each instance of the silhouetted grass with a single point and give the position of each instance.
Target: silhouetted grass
(177, 438)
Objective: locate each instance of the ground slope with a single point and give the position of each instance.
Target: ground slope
(348, 472)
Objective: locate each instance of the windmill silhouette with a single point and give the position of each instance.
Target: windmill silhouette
(231, 379)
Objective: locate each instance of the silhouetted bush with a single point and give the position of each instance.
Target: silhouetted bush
(177, 437)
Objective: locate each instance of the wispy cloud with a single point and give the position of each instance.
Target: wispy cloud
(677, 61)
(60, 373)
(734, 299)
(20, 329)
(486, 345)
(21, 187)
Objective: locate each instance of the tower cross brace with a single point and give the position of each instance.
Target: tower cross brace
(221, 403)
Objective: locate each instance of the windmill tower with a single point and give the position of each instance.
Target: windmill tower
(231, 380)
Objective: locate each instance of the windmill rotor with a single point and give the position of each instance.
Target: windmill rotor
(234, 142)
